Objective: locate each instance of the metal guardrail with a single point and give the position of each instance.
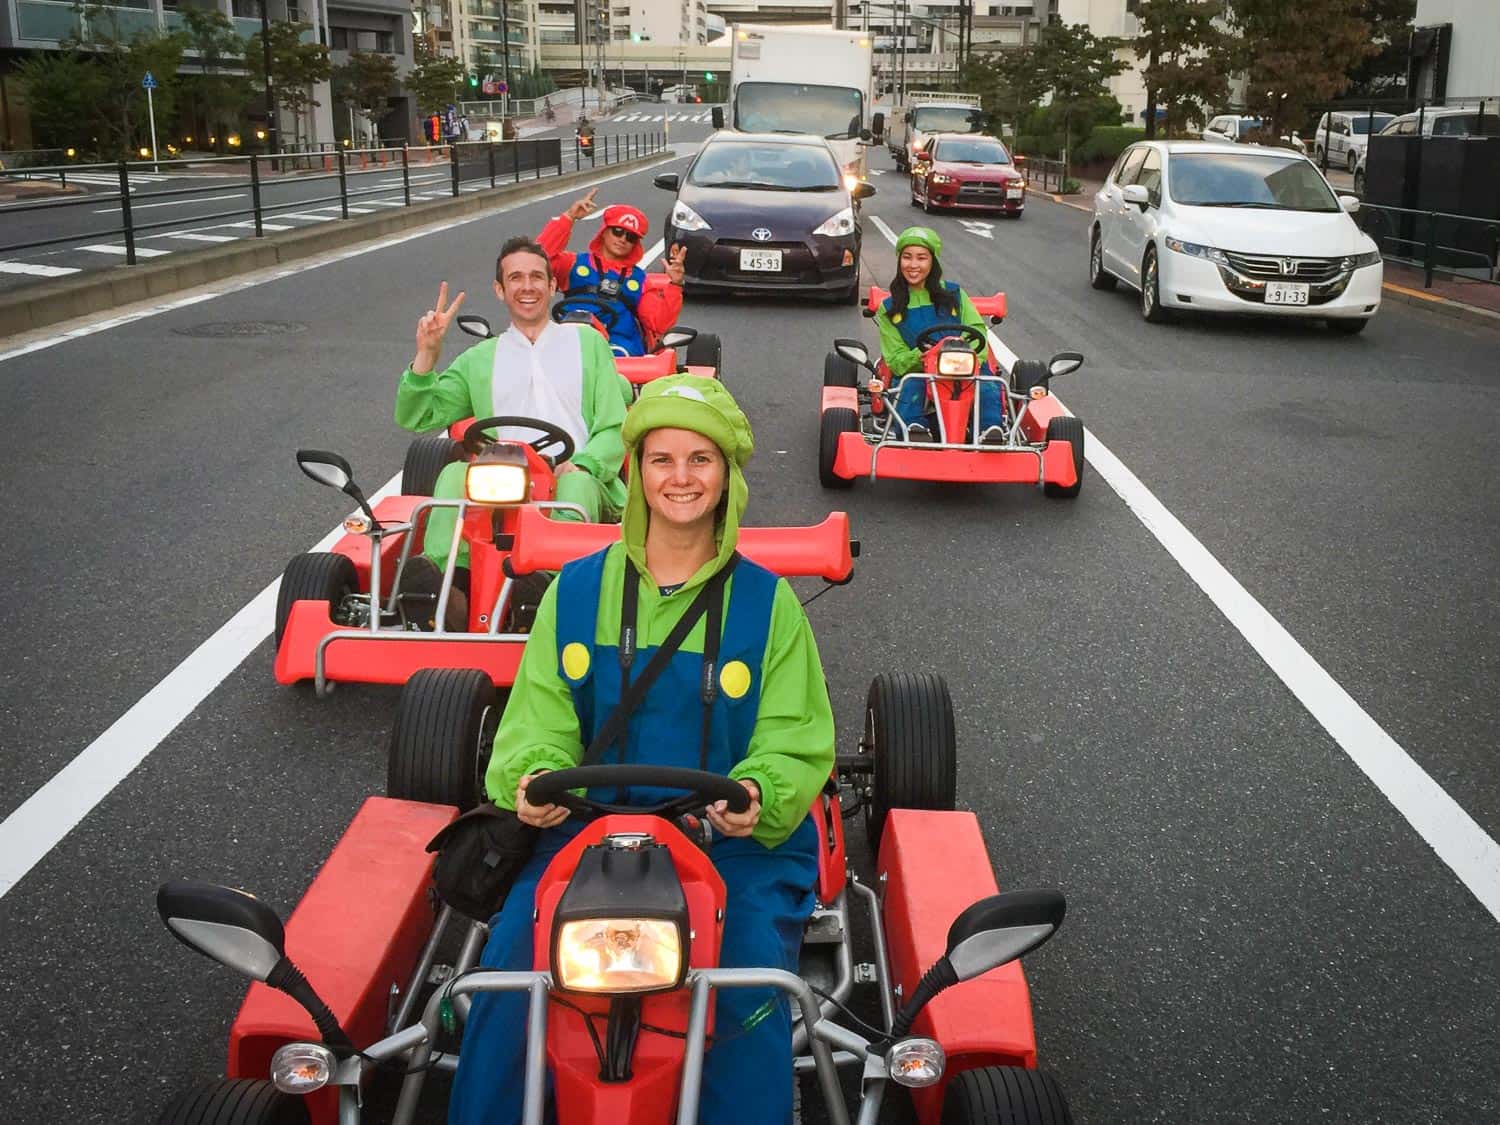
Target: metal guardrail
(1041, 172)
(496, 161)
(1459, 246)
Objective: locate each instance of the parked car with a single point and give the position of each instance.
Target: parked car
(1447, 121)
(1238, 128)
(1346, 136)
(968, 172)
(1232, 228)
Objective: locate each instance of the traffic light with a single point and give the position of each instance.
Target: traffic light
(473, 80)
(708, 76)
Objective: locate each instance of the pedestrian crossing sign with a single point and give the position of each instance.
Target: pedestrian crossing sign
(148, 82)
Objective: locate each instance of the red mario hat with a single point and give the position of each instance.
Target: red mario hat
(627, 217)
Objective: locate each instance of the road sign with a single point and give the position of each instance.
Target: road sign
(148, 82)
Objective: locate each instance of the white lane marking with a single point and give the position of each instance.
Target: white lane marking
(387, 202)
(251, 226)
(36, 269)
(201, 237)
(1459, 841)
(890, 235)
(140, 251)
(94, 327)
(309, 216)
(55, 809)
(983, 230)
(174, 202)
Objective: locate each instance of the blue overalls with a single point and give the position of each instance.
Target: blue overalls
(747, 1074)
(623, 291)
(912, 403)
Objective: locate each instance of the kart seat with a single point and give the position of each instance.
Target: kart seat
(644, 368)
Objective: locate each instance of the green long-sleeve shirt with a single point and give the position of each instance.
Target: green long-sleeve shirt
(902, 359)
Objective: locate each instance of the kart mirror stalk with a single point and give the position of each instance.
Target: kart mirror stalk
(332, 470)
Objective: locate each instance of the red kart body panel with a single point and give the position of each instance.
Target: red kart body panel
(819, 551)
(656, 1067)
(393, 509)
(991, 306)
(936, 865)
(829, 821)
(843, 398)
(641, 369)
(359, 929)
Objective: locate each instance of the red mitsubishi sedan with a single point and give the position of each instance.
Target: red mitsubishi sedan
(967, 172)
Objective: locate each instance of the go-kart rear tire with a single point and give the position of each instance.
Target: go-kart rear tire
(1067, 428)
(426, 458)
(909, 734)
(319, 576)
(706, 350)
(1005, 1095)
(442, 737)
(839, 372)
(234, 1101)
(1027, 373)
(835, 421)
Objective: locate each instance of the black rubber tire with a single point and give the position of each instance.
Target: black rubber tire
(1027, 373)
(910, 735)
(442, 737)
(1359, 182)
(426, 458)
(705, 350)
(1351, 159)
(1067, 428)
(1099, 277)
(927, 207)
(320, 576)
(1004, 1095)
(839, 372)
(234, 1101)
(1151, 310)
(1350, 326)
(833, 422)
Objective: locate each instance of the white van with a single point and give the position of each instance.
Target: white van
(1346, 135)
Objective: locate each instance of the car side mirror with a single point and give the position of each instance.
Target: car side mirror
(678, 337)
(863, 190)
(1137, 194)
(1349, 203)
(475, 325)
(229, 926)
(923, 157)
(1064, 363)
(667, 181)
(718, 116)
(854, 351)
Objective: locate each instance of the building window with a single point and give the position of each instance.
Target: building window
(339, 38)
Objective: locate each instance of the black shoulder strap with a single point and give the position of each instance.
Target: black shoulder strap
(632, 692)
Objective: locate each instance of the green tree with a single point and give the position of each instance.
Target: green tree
(366, 82)
(1298, 53)
(1009, 85)
(122, 59)
(295, 68)
(435, 83)
(65, 91)
(1188, 54)
(218, 96)
(1383, 74)
(1074, 65)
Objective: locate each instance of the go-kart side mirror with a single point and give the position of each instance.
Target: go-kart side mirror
(332, 470)
(229, 926)
(863, 190)
(476, 326)
(854, 352)
(718, 116)
(678, 336)
(1001, 928)
(667, 181)
(1064, 363)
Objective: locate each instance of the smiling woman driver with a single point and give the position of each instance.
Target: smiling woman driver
(771, 729)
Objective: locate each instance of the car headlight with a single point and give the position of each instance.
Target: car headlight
(957, 362)
(851, 181)
(1193, 250)
(499, 475)
(685, 218)
(301, 1068)
(1359, 261)
(942, 178)
(841, 223)
(618, 955)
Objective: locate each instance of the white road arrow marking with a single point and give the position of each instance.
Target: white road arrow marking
(983, 230)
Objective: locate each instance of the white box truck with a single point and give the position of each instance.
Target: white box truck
(803, 80)
(927, 112)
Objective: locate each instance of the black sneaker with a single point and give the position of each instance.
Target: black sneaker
(421, 585)
(918, 432)
(993, 435)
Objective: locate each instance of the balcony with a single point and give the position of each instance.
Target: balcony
(47, 19)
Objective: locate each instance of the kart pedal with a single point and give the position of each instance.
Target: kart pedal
(823, 928)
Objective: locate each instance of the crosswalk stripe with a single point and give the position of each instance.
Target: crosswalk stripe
(395, 203)
(263, 226)
(202, 237)
(36, 269)
(140, 251)
(308, 216)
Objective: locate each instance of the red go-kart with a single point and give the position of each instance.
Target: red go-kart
(862, 435)
(620, 994)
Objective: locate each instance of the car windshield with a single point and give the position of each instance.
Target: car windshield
(948, 119)
(1221, 179)
(765, 167)
(1248, 125)
(791, 107)
(1466, 125)
(1361, 125)
(972, 152)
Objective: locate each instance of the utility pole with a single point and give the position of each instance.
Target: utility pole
(580, 10)
(504, 55)
(273, 134)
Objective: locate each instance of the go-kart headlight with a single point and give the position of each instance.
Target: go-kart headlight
(499, 475)
(1193, 250)
(618, 955)
(915, 1062)
(301, 1068)
(842, 223)
(685, 218)
(957, 362)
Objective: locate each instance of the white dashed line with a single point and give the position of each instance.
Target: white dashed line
(36, 269)
(140, 251)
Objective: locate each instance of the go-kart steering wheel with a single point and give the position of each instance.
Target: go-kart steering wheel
(932, 334)
(607, 312)
(702, 789)
(475, 439)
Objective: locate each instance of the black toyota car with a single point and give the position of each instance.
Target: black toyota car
(767, 212)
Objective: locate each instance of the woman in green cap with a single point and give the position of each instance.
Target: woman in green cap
(770, 727)
(920, 299)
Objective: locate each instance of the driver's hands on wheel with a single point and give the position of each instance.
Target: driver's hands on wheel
(431, 329)
(541, 816)
(728, 823)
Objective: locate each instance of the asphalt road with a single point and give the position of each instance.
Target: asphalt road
(1254, 934)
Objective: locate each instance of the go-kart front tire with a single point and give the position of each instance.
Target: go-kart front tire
(237, 1101)
(1005, 1095)
(835, 421)
(839, 372)
(706, 350)
(442, 737)
(1027, 373)
(319, 576)
(909, 733)
(426, 458)
(1069, 429)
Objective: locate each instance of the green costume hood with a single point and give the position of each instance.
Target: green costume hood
(919, 236)
(688, 402)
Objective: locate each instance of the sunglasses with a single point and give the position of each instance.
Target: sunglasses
(627, 235)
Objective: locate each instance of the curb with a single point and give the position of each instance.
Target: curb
(37, 306)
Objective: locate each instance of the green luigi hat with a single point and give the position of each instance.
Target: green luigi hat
(920, 236)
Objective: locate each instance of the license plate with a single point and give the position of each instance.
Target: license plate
(1014, 193)
(1286, 293)
(764, 261)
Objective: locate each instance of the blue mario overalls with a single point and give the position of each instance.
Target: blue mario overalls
(622, 290)
(912, 402)
(747, 1074)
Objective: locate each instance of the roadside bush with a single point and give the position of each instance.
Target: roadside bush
(1106, 142)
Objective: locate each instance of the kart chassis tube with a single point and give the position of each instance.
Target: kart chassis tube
(845, 982)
